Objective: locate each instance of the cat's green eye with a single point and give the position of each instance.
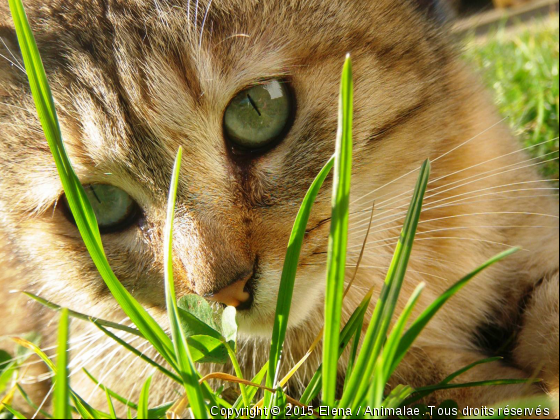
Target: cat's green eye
(259, 116)
(114, 209)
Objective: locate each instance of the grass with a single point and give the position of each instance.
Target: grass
(195, 335)
(520, 66)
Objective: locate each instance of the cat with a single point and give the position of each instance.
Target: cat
(250, 89)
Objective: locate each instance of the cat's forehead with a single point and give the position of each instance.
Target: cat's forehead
(145, 76)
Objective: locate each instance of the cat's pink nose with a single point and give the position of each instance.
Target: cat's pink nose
(235, 294)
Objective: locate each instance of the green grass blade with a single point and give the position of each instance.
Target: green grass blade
(354, 324)
(239, 374)
(187, 370)
(421, 322)
(75, 194)
(354, 349)
(14, 412)
(61, 388)
(143, 402)
(382, 368)
(84, 317)
(110, 405)
(338, 238)
(287, 280)
(113, 394)
(430, 389)
(34, 406)
(252, 391)
(469, 367)
(375, 337)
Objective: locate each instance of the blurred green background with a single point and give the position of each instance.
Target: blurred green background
(519, 64)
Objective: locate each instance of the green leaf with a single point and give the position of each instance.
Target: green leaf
(381, 373)
(143, 402)
(61, 387)
(191, 325)
(199, 307)
(338, 238)
(206, 349)
(6, 369)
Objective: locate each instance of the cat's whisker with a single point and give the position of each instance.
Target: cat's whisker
(442, 238)
(468, 141)
(434, 160)
(135, 383)
(400, 215)
(102, 348)
(497, 158)
(103, 376)
(81, 340)
(405, 200)
(410, 191)
(43, 402)
(456, 217)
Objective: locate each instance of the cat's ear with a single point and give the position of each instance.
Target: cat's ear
(440, 11)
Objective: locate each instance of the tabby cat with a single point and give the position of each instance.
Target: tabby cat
(249, 88)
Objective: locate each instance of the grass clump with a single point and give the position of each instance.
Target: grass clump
(520, 65)
(195, 335)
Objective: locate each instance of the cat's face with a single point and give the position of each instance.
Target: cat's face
(135, 80)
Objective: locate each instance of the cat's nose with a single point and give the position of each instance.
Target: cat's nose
(236, 294)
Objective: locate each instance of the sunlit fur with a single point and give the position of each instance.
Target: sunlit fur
(135, 79)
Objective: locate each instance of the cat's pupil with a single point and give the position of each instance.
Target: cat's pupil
(114, 209)
(259, 116)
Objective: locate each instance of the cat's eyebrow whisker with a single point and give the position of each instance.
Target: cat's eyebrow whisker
(204, 23)
(231, 37)
(430, 206)
(410, 191)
